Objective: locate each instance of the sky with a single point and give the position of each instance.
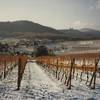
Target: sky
(59, 14)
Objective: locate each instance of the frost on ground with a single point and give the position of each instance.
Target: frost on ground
(38, 85)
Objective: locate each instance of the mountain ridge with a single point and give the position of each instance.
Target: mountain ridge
(29, 29)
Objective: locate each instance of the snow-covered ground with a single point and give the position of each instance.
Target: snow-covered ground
(40, 85)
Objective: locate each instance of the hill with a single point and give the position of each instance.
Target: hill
(31, 30)
(83, 34)
(27, 29)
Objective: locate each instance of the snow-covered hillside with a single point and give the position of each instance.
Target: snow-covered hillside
(40, 85)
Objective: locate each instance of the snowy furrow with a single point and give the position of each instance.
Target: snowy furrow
(39, 85)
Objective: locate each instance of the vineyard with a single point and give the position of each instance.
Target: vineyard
(50, 77)
(65, 67)
(73, 66)
(7, 63)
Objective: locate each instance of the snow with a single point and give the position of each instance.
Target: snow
(38, 84)
(41, 79)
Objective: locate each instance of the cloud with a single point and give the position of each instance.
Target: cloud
(95, 5)
(98, 4)
(77, 24)
(91, 7)
(80, 24)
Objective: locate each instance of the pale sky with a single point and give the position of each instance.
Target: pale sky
(59, 14)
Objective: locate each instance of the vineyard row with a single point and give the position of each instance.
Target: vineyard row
(7, 63)
(66, 67)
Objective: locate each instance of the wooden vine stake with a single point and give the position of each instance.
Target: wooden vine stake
(5, 68)
(70, 73)
(19, 74)
(57, 67)
(22, 61)
(93, 79)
